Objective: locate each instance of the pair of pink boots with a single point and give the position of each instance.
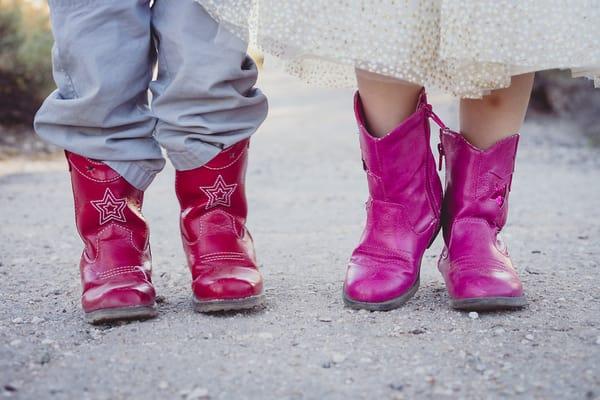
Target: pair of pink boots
(406, 210)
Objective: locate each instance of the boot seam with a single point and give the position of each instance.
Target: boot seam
(79, 172)
(433, 202)
(468, 220)
(90, 260)
(202, 230)
(401, 254)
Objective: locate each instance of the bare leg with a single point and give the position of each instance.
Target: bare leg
(387, 102)
(484, 122)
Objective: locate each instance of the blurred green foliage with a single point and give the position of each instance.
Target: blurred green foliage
(25, 61)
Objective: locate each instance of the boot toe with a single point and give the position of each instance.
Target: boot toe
(486, 283)
(122, 295)
(228, 284)
(377, 285)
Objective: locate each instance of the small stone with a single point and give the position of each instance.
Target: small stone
(325, 319)
(480, 367)
(17, 320)
(519, 389)
(37, 320)
(473, 315)
(162, 385)
(529, 337)
(198, 394)
(9, 387)
(338, 358)
(499, 331)
(55, 389)
(598, 340)
(590, 395)
(47, 341)
(326, 364)
(95, 334)
(396, 386)
(418, 331)
(45, 358)
(15, 343)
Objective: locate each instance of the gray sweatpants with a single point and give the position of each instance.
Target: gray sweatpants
(203, 99)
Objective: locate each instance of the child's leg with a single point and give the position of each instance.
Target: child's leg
(500, 114)
(207, 109)
(102, 62)
(386, 101)
(204, 97)
(480, 164)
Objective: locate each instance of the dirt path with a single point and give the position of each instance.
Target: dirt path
(307, 191)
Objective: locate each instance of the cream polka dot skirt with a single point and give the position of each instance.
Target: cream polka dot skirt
(464, 47)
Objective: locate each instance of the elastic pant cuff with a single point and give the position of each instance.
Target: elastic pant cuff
(133, 173)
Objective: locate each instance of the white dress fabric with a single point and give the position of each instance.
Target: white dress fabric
(464, 47)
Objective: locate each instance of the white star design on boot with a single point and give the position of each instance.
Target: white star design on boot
(219, 193)
(110, 208)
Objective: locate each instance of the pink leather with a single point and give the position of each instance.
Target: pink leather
(218, 246)
(116, 262)
(475, 262)
(403, 210)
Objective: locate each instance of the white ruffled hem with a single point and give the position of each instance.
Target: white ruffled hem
(466, 48)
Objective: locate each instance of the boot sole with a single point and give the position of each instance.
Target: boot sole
(246, 303)
(383, 306)
(120, 314)
(489, 303)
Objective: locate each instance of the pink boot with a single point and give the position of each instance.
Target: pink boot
(403, 213)
(475, 263)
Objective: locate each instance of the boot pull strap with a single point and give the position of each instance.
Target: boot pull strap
(434, 116)
(443, 127)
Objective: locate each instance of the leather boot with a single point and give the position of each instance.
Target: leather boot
(219, 248)
(403, 212)
(116, 262)
(475, 263)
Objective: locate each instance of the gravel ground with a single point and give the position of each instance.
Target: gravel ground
(306, 190)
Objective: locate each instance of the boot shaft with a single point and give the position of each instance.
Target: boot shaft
(105, 204)
(478, 182)
(400, 166)
(214, 194)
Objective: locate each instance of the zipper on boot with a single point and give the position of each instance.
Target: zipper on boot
(443, 128)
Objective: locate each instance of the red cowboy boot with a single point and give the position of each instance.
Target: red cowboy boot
(478, 271)
(218, 246)
(116, 262)
(403, 212)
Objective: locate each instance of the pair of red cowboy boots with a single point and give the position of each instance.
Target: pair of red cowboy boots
(116, 270)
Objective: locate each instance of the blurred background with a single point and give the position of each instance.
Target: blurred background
(26, 78)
